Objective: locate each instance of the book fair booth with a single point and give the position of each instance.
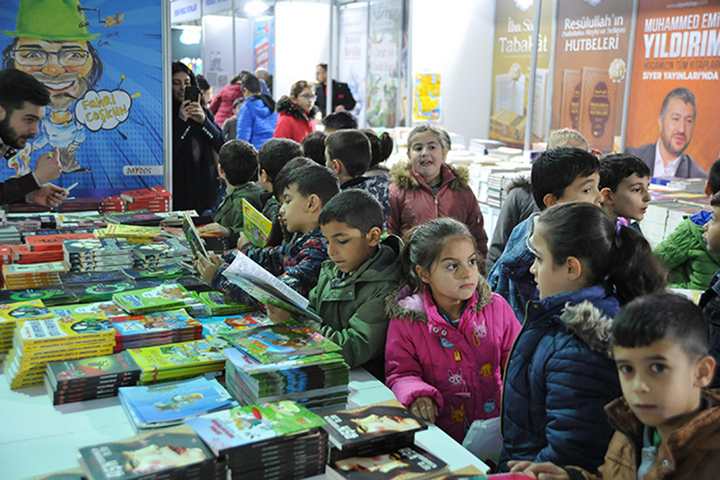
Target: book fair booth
(118, 358)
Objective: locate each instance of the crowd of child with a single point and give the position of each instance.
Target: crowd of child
(594, 369)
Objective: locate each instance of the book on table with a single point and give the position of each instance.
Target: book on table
(266, 288)
(406, 463)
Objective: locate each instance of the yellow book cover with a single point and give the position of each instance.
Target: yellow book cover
(256, 226)
(178, 355)
(27, 310)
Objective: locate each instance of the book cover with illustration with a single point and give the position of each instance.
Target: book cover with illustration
(179, 360)
(163, 297)
(221, 304)
(94, 369)
(24, 310)
(88, 311)
(167, 403)
(266, 288)
(193, 237)
(256, 226)
(352, 427)
(49, 296)
(177, 448)
(218, 325)
(241, 426)
(406, 463)
(154, 323)
(286, 341)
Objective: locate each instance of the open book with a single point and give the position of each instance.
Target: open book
(193, 237)
(266, 288)
(256, 226)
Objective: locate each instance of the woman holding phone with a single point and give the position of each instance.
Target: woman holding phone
(196, 141)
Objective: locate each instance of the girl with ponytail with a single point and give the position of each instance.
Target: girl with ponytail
(449, 336)
(559, 375)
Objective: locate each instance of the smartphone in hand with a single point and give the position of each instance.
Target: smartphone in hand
(192, 93)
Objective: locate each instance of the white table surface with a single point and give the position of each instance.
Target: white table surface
(37, 437)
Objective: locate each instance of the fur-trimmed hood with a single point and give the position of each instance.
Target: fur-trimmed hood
(589, 324)
(285, 105)
(457, 178)
(404, 303)
(519, 182)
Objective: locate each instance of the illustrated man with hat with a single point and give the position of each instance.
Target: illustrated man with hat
(52, 43)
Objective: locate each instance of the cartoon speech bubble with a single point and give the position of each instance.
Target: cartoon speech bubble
(103, 109)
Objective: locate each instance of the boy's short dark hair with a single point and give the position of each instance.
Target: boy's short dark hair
(275, 153)
(354, 207)
(617, 166)
(314, 147)
(659, 316)
(314, 180)
(352, 148)
(713, 179)
(17, 87)
(281, 180)
(556, 169)
(239, 161)
(250, 82)
(340, 121)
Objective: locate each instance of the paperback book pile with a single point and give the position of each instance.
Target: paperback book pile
(38, 243)
(156, 328)
(153, 199)
(24, 254)
(98, 255)
(280, 440)
(268, 365)
(168, 454)
(377, 441)
(90, 378)
(10, 313)
(38, 342)
(216, 326)
(170, 296)
(163, 254)
(142, 218)
(177, 361)
(104, 291)
(219, 304)
(168, 404)
(129, 232)
(37, 275)
(112, 204)
(9, 234)
(49, 296)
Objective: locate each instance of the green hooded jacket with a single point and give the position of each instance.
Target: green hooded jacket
(353, 308)
(685, 255)
(230, 213)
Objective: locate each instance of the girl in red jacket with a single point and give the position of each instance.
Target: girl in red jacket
(296, 112)
(426, 187)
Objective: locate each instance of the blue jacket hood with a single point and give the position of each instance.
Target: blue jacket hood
(259, 106)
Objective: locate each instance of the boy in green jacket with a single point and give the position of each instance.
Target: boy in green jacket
(238, 168)
(362, 271)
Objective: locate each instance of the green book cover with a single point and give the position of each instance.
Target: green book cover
(162, 297)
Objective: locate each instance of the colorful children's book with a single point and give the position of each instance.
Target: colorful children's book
(176, 450)
(163, 297)
(219, 304)
(266, 288)
(193, 237)
(218, 325)
(168, 404)
(256, 226)
(285, 341)
(179, 360)
(86, 371)
(406, 463)
(242, 426)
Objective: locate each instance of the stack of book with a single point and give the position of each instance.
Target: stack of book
(177, 361)
(10, 235)
(219, 304)
(104, 291)
(37, 275)
(12, 313)
(112, 204)
(24, 254)
(38, 342)
(377, 441)
(286, 362)
(216, 326)
(54, 242)
(162, 254)
(172, 453)
(142, 218)
(156, 328)
(170, 296)
(90, 378)
(280, 440)
(134, 233)
(168, 404)
(49, 296)
(153, 199)
(98, 255)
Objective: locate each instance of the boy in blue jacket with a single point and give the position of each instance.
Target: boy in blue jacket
(558, 176)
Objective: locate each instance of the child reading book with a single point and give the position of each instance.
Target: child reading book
(449, 336)
(237, 167)
(362, 271)
(624, 183)
(559, 375)
(666, 424)
(297, 263)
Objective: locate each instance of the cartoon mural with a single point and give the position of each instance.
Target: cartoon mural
(102, 63)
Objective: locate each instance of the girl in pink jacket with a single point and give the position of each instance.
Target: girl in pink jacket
(449, 336)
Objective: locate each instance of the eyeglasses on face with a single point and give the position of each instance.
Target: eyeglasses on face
(37, 57)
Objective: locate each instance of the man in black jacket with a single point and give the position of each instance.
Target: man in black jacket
(22, 106)
(343, 99)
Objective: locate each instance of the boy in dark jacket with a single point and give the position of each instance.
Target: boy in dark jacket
(237, 167)
(666, 425)
(297, 262)
(558, 176)
(348, 154)
(624, 186)
(361, 273)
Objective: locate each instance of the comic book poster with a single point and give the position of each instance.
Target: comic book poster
(102, 64)
(511, 71)
(426, 101)
(590, 68)
(264, 38)
(675, 80)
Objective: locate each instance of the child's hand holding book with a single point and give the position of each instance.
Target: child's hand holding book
(541, 471)
(424, 407)
(208, 267)
(277, 314)
(213, 230)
